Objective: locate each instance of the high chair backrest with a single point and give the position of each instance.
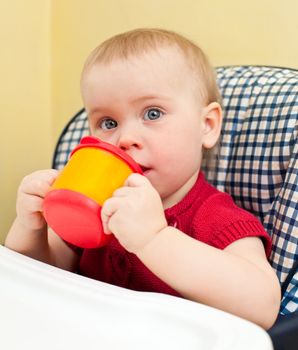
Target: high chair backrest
(257, 160)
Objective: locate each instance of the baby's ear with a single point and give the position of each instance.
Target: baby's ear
(212, 122)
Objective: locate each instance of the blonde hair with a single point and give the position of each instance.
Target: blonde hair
(140, 41)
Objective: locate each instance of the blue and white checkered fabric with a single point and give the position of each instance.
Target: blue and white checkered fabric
(257, 162)
(70, 138)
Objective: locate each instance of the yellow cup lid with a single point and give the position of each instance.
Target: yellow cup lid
(92, 141)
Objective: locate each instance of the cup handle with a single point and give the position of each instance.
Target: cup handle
(89, 140)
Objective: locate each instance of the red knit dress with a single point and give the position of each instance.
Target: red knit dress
(204, 213)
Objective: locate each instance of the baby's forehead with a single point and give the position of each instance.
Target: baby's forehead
(162, 54)
(162, 63)
(166, 66)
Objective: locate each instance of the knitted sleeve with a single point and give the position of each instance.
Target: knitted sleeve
(219, 222)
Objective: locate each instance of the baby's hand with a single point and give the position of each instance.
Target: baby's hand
(30, 197)
(134, 214)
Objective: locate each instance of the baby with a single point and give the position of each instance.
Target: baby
(153, 94)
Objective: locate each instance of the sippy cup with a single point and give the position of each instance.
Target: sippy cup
(73, 204)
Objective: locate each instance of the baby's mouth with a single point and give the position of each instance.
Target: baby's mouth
(144, 169)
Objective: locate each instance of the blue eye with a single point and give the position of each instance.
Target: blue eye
(107, 124)
(152, 114)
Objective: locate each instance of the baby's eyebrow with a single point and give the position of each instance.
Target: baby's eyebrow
(96, 110)
(151, 97)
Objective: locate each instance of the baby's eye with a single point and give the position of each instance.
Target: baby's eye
(107, 124)
(152, 114)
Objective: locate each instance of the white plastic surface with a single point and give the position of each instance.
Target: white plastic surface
(42, 307)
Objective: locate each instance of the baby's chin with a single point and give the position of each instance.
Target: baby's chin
(168, 198)
(172, 195)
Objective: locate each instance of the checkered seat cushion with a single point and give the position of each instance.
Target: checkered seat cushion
(257, 159)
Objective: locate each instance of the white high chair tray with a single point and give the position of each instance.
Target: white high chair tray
(43, 307)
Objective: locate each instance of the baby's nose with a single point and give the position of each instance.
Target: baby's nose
(128, 140)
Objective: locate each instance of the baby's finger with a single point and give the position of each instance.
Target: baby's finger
(48, 175)
(30, 203)
(122, 191)
(35, 188)
(136, 180)
(105, 223)
(108, 209)
(38, 185)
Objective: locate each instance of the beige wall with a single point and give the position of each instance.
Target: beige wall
(44, 44)
(25, 111)
(231, 32)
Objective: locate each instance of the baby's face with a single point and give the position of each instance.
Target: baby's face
(147, 106)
